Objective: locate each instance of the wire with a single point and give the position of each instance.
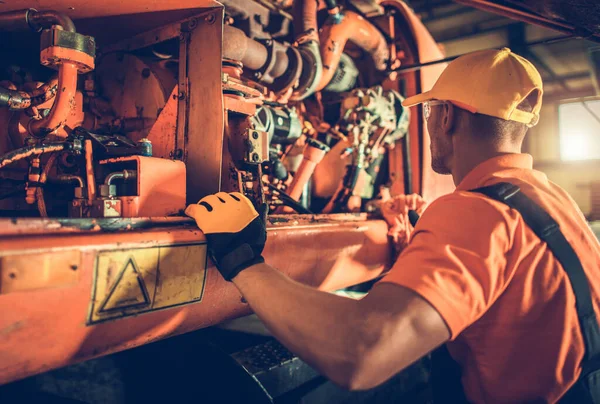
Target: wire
(289, 201)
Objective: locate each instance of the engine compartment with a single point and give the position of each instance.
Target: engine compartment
(146, 107)
(295, 105)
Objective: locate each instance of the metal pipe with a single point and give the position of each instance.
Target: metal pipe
(39, 192)
(22, 20)
(24, 152)
(120, 175)
(237, 46)
(63, 104)
(69, 178)
(419, 66)
(15, 20)
(350, 27)
(45, 19)
(525, 16)
(17, 100)
(312, 155)
(89, 170)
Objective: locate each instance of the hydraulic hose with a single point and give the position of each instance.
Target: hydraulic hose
(350, 27)
(67, 70)
(321, 53)
(305, 18)
(306, 32)
(24, 152)
(67, 84)
(17, 100)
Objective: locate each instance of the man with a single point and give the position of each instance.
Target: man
(474, 276)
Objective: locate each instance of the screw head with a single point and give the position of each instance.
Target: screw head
(210, 18)
(255, 157)
(254, 135)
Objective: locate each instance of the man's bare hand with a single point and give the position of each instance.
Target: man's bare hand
(395, 212)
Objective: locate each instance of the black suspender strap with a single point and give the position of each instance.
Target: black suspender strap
(546, 228)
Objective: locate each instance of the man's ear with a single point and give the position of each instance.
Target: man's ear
(448, 119)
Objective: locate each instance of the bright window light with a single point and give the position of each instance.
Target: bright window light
(579, 130)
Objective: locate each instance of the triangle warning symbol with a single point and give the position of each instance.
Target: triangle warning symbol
(128, 290)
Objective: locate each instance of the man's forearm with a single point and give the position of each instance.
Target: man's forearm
(323, 329)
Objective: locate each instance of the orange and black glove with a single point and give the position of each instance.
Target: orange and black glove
(235, 231)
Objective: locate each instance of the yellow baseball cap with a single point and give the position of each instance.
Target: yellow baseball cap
(490, 82)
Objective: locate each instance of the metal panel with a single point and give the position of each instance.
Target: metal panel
(330, 253)
(203, 152)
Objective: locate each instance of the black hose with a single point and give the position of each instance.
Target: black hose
(13, 192)
(289, 201)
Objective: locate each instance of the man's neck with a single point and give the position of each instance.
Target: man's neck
(470, 156)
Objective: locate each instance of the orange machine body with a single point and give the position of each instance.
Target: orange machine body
(74, 289)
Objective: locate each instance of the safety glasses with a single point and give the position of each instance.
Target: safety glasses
(427, 107)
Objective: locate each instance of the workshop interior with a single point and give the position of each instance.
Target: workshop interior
(114, 116)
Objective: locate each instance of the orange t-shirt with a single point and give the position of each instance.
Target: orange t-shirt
(505, 298)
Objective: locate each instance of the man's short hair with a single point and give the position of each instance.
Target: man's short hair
(485, 126)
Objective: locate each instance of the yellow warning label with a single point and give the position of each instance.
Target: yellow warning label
(134, 281)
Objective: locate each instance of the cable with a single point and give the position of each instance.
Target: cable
(289, 201)
(24, 152)
(41, 203)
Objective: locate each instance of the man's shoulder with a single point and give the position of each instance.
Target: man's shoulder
(466, 210)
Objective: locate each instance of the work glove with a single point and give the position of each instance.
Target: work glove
(235, 231)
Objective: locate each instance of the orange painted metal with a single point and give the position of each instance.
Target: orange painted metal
(354, 28)
(63, 103)
(107, 7)
(89, 171)
(425, 181)
(311, 157)
(161, 188)
(163, 132)
(46, 328)
(56, 55)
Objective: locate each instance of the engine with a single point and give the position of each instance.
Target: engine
(295, 105)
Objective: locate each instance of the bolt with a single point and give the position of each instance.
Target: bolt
(254, 135)
(255, 157)
(178, 154)
(181, 95)
(210, 19)
(145, 73)
(74, 267)
(258, 75)
(181, 37)
(12, 275)
(193, 23)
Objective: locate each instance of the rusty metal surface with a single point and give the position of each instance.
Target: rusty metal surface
(203, 150)
(47, 327)
(164, 131)
(105, 8)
